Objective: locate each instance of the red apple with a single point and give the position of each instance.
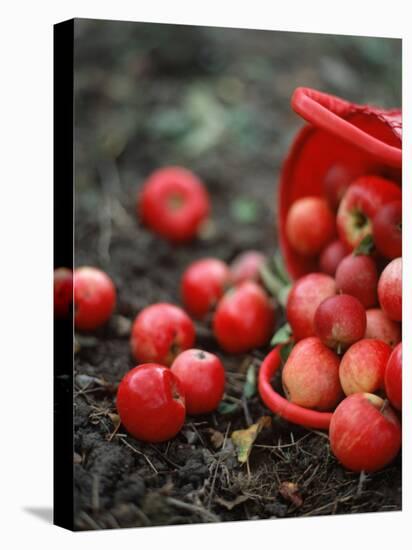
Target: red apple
(337, 180)
(393, 377)
(246, 266)
(357, 276)
(390, 290)
(331, 257)
(203, 284)
(310, 225)
(380, 327)
(362, 200)
(310, 377)
(362, 368)
(387, 230)
(303, 300)
(244, 318)
(365, 433)
(340, 321)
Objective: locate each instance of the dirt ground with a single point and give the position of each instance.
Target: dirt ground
(217, 102)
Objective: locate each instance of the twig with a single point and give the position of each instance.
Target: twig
(212, 488)
(275, 447)
(334, 504)
(140, 453)
(210, 516)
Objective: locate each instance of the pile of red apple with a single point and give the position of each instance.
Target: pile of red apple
(344, 321)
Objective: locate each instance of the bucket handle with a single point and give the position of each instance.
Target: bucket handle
(326, 111)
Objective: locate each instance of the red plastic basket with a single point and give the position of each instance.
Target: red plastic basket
(363, 138)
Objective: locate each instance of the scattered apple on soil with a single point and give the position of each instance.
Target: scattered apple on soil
(94, 298)
(151, 403)
(362, 368)
(203, 284)
(310, 377)
(244, 318)
(202, 377)
(160, 332)
(310, 225)
(246, 266)
(365, 433)
(174, 203)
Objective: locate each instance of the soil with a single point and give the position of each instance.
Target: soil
(216, 102)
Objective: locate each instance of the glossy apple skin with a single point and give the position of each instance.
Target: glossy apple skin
(246, 266)
(331, 257)
(160, 332)
(202, 377)
(310, 225)
(203, 284)
(365, 433)
(387, 230)
(358, 276)
(305, 296)
(94, 298)
(380, 327)
(244, 318)
(364, 197)
(62, 292)
(174, 204)
(310, 377)
(340, 321)
(390, 290)
(393, 377)
(362, 368)
(151, 403)
(336, 181)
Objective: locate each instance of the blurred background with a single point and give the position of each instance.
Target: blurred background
(214, 100)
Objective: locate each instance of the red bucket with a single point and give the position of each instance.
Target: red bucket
(361, 138)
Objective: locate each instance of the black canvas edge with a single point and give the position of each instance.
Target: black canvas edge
(63, 134)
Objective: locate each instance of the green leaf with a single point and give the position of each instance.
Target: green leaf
(227, 408)
(282, 335)
(285, 351)
(283, 295)
(270, 280)
(366, 246)
(280, 267)
(249, 389)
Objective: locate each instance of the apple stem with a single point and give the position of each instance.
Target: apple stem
(384, 405)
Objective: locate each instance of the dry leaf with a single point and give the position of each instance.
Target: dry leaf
(216, 438)
(115, 418)
(290, 492)
(243, 439)
(230, 504)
